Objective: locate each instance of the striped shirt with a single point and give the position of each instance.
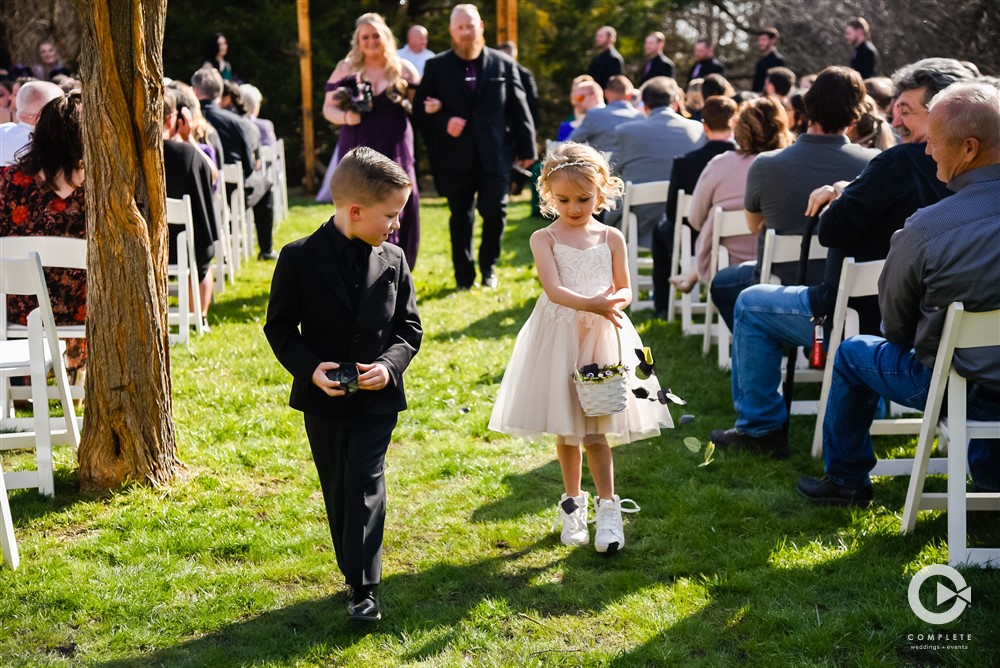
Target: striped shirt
(947, 252)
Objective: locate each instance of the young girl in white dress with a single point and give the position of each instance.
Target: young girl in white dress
(577, 321)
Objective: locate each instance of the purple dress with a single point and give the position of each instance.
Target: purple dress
(387, 129)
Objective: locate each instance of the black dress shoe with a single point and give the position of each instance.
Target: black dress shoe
(363, 605)
(773, 443)
(267, 255)
(828, 493)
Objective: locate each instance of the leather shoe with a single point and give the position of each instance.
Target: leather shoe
(267, 255)
(828, 493)
(363, 605)
(774, 443)
(491, 282)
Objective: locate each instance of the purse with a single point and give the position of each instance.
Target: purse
(603, 390)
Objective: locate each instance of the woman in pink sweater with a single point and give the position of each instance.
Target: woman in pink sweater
(762, 126)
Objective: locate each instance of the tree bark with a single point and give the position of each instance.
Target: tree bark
(128, 434)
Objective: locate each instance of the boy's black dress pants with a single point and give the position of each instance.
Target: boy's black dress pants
(349, 453)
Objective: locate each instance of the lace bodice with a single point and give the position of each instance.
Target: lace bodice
(587, 270)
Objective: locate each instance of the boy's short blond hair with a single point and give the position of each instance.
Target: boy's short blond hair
(364, 175)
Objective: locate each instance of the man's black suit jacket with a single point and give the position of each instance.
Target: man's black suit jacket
(311, 319)
(236, 140)
(688, 167)
(530, 93)
(710, 66)
(659, 66)
(605, 65)
(864, 59)
(772, 59)
(499, 126)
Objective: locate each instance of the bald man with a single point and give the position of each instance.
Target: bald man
(416, 50)
(32, 96)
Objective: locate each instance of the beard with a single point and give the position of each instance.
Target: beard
(469, 51)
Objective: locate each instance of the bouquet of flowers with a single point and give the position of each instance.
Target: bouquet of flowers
(592, 373)
(353, 94)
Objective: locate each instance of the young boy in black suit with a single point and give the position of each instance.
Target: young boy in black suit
(342, 318)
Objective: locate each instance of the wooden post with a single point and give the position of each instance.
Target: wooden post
(506, 21)
(305, 69)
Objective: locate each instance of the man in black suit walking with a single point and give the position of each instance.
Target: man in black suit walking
(472, 108)
(864, 55)
(608, 62)
(705, 60)
(657, 64)
(343, 301)
(767, 43)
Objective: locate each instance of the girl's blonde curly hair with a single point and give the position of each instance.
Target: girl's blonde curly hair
(586, 167)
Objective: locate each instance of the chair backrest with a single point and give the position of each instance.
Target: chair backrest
(725, 224)
(25, 277)
(62, 252)
(683, 206)
(637, 194)
(779, 248)
(179, 214)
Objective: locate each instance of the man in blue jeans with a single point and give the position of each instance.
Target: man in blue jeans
(946, 253)
(859, 223)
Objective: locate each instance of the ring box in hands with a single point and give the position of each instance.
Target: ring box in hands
(347, 376)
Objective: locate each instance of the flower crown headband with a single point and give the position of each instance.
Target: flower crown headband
(575, 163)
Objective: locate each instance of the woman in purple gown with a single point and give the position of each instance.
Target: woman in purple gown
(373, 64)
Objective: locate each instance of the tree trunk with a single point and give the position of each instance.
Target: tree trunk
(128, 434)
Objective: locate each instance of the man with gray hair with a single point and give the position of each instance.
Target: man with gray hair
(644, 149)
(946, 253)
(14, 137)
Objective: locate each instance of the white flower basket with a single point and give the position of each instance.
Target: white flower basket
(604, 394)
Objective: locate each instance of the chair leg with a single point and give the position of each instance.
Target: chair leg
(40, 408)
(8, 544)
(915, 491)
(957, 467)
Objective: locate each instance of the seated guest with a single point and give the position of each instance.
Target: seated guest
(31, 98)
(881, 90)
(645, 149)
(49, 62)
(41, 194)
(6, 98)
(779, 182)
(761, 126)
(798, 118)
(806, 81)
(598, 125)
(194, 129)
(716, 84)
(717, 122)
(779, 83)
(871, 130)
(186, 173)
(252, 98)
(238, 147)
(585, 96)
(859, 224)
(922, 276)
(694, 100)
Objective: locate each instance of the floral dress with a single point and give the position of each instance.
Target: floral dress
(28, 208)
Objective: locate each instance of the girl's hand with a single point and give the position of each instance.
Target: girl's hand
(609, 305)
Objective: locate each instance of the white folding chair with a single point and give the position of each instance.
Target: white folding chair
(269, 164)
(858, 279)
(962, 330)
(226, 261)
(724, 224)
(34, 357)
(8, 544)
(184, 273)
(640, 267)
(283, 176)
(780, 248)
(239, 218)
(681, 262)
(54, 252)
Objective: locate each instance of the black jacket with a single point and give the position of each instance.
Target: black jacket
(773, 59)
(864, 59)
(187, 173)
(659, 66)
(311, 319)
(237, 143)
(605, 65)
(688, 167)
(710, 66)
(499, 126)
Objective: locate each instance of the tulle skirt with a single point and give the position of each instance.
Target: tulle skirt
(537, 395)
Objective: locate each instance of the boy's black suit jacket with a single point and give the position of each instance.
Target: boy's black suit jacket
(310, 319)
(499, 126)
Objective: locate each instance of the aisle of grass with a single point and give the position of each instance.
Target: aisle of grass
(232, 565)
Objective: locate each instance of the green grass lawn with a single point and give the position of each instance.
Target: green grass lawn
(232, 564)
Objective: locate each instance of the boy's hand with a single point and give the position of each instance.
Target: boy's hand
(373, 376)
(319, 379)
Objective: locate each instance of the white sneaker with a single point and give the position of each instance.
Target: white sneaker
(610, 537)
(573, 516)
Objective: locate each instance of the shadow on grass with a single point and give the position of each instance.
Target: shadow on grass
(496, 325)
(241, 310)
(28, 504)
(428, 606)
